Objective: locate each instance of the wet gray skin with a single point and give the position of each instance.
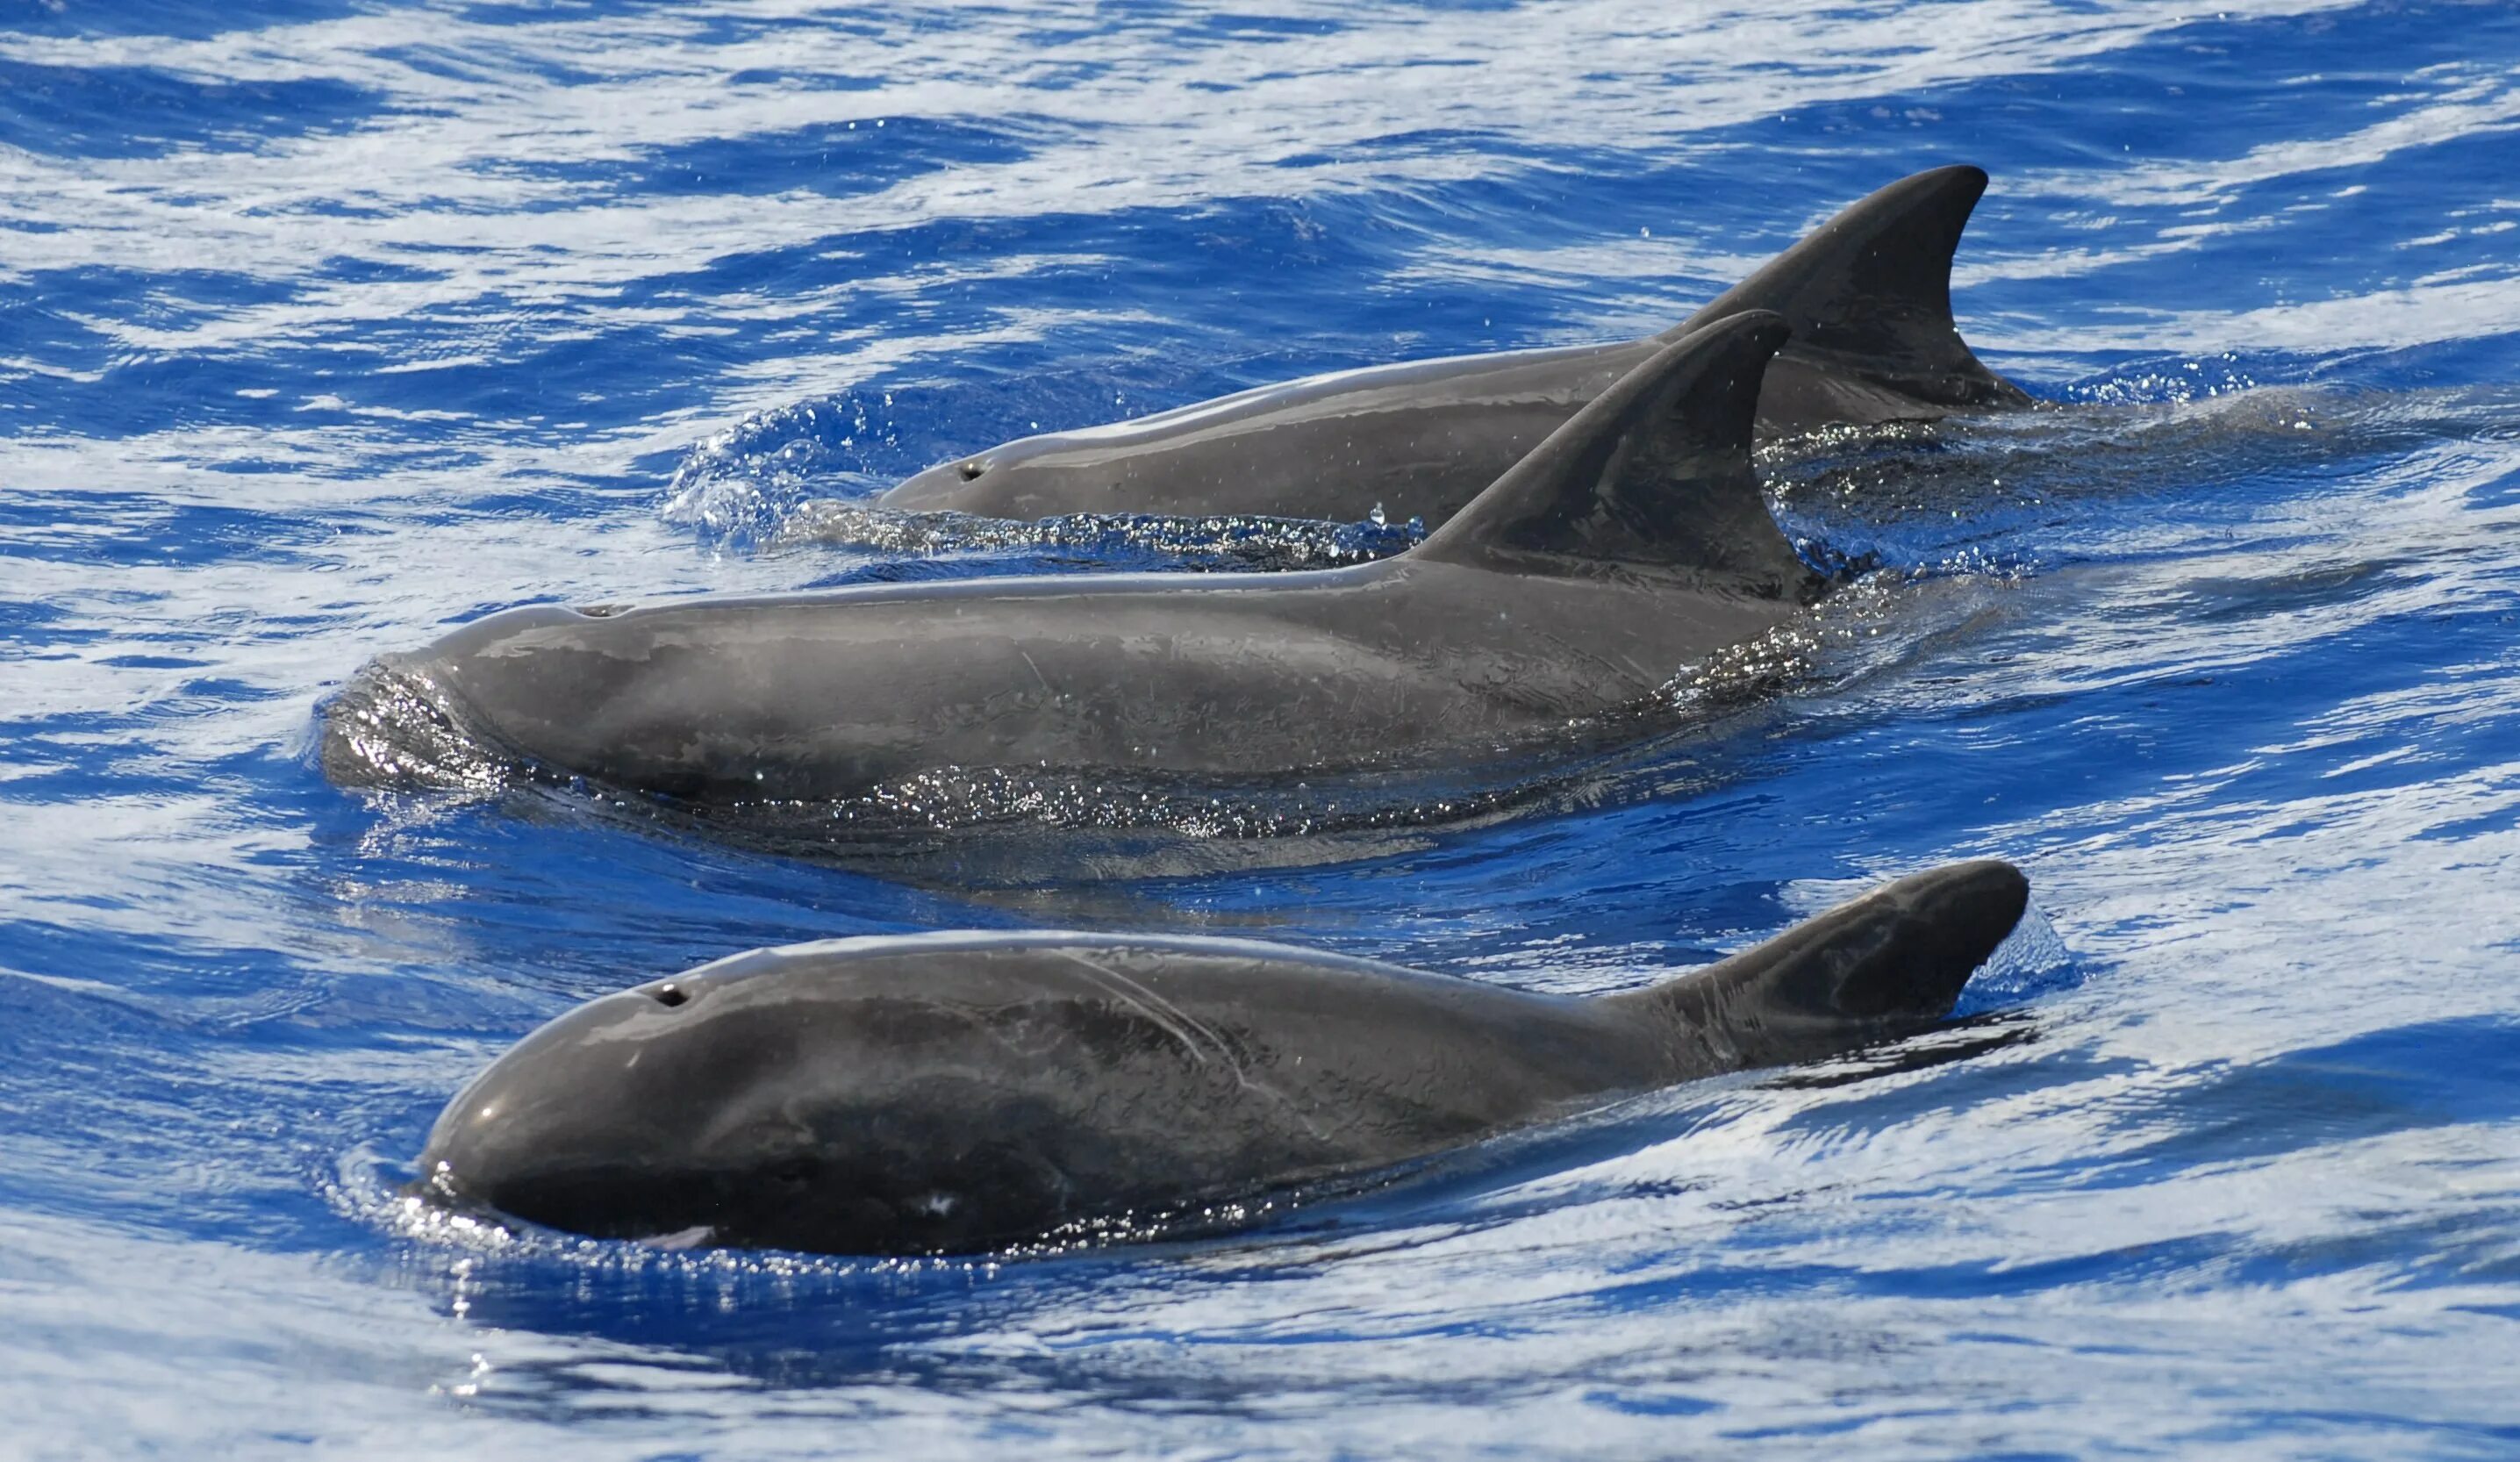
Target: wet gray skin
(1868, 296)
(966, 1092)
(1629, 544)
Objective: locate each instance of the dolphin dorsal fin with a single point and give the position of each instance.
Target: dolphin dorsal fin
(1888, 963)
(1868, 294)
(1653, 473)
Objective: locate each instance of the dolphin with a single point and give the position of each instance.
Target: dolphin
(961, 1093)
(1868, 296)
(1631, 543)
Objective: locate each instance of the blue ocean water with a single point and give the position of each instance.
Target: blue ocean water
(324, 324)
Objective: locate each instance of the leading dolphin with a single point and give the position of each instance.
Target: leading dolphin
(1629, 544)
(1868, 296)
(958, 1093)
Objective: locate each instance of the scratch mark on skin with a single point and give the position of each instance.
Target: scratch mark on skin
(1172, 1019)
(1037, 675)
(1624, 665)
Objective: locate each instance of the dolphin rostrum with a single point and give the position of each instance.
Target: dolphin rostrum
(1868, 296)
(1629, 544)
(966, 1092)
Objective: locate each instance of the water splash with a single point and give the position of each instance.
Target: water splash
(745, 484)
(1214, 542)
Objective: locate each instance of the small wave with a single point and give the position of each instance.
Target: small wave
(1028, 827)
(362, 1188)
(390, 728)
(458, 1241)
(2033, 960)
(2177, 379)
(1222, 541)
(1867, 626)
(766, 484)
(2016, 495)
(740, 486)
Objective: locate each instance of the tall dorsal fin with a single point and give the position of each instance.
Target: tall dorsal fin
(1654, 473)
(1885, 964)
(1868, 294)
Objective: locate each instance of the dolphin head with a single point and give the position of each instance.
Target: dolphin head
(458, 711)
(941, 483)
(1000, 482)
(733, 1104)
(597, 691)
(602, 1122)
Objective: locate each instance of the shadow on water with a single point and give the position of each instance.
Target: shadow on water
(2403, 1079)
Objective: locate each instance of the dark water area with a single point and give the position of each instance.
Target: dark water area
(326, 325)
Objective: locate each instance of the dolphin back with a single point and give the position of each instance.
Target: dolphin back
(1869, 298)
(954, 1093)
(1887, 965)
(1654, 474)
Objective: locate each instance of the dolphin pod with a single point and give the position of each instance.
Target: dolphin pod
(967, 1092)
(1631, 543)
(1599, 528)
(1867, 296)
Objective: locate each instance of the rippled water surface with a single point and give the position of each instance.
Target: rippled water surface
(323, 325)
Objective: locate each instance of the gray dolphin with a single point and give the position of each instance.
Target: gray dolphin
(1868, 296)
(963, 1092)
(1631, 543)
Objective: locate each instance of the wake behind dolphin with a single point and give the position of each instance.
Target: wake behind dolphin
(1634, 542)
(967, 1092)
(1867, 296)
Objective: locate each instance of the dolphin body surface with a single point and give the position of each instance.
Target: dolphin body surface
(970, 1092)
(1629, 544)
(1868, 296)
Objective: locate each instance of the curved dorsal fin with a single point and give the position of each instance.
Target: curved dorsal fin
(1654, 473)
(1868, 294)
(1888, 963)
